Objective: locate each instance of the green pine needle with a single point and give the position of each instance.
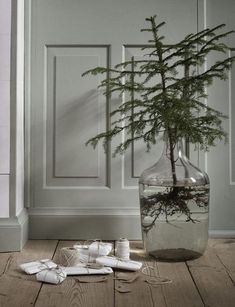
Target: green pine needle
(167, 100)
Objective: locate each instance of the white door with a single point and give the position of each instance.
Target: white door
(76, 191)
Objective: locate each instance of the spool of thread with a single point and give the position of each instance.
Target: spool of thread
(123, 249)
(69, 256)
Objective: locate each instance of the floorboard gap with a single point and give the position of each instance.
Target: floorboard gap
(195, 284)
(58, 241)
(226, 269)
(9, 260)
(35, 301)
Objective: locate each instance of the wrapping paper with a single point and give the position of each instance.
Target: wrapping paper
(114, 262)
(37, 266)
(100, 248)
(53, 276)
(79, 270)
(94, 250)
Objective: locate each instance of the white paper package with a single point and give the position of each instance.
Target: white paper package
(89, 253)
(114, 262)
(53, 276)
(37, 266)
(79, 270)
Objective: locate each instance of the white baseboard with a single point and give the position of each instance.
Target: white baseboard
(78, 227)
(83, 223)
(222, 234)
(14, 232)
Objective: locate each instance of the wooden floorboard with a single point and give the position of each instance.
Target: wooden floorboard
(208, 281)
(212, 278)
(16, 288)
(5, 259)
(225, 250)
(181, 291)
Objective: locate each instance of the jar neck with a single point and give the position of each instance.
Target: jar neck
(173, 152)
(173, 149)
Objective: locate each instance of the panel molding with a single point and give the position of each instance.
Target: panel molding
(52, 179)
(78, 46)
(54, 120)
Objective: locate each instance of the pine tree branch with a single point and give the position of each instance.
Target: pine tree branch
(173, 103)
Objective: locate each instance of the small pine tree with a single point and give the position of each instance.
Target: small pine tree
(175, 103)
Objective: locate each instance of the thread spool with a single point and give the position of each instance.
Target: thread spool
(123, 249)
(69, 256)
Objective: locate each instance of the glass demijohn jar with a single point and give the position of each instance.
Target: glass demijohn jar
(174, 200)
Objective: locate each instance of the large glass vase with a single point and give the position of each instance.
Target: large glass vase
(174, 202)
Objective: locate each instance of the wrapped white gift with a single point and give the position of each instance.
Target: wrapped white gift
(83, 270)
(52, 276)
(114, 262)
(37, 266)
(89, 253)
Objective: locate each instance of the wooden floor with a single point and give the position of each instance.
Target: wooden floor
(208, 281)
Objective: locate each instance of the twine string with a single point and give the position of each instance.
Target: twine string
(69, 256)
(154, 280)
(58, 271)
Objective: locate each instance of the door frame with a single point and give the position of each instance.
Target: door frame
(14, 229)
